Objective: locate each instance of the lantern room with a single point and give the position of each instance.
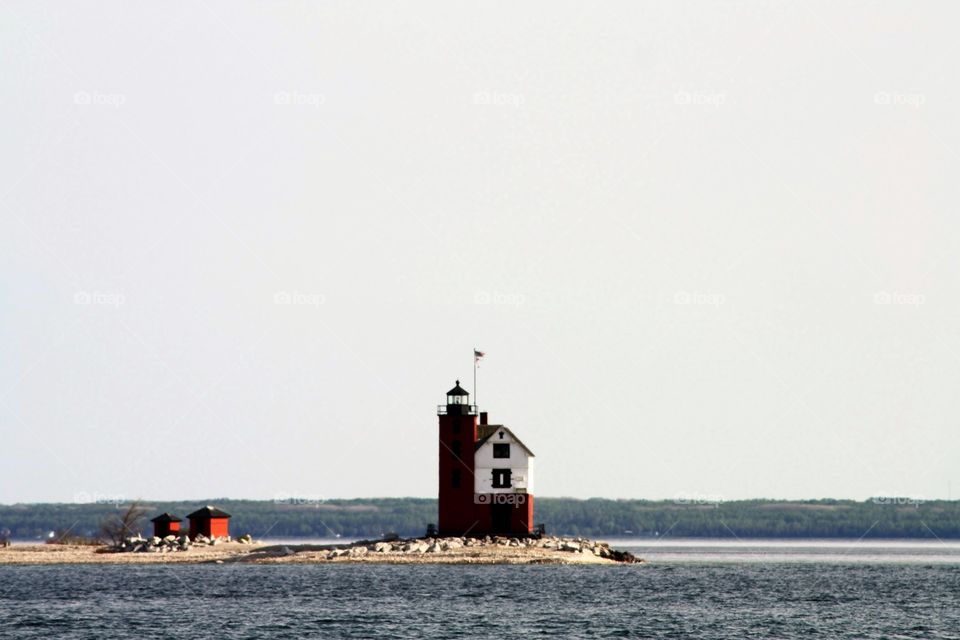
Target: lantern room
(458, 403)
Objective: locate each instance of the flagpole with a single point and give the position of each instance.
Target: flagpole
(475, 401)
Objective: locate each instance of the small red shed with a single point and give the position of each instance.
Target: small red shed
(166, 525)
(209, 521)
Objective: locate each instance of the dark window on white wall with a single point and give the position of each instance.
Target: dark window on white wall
(501, 479)
(501, 450)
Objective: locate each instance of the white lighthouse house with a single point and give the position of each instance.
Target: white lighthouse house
(501, 462)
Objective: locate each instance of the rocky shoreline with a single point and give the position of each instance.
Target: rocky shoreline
(139, 544)
(441, 550)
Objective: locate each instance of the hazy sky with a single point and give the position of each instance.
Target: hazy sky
(710, 249)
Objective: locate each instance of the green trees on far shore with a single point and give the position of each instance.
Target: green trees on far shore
(880, 518)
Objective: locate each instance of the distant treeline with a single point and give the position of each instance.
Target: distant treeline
(879, 518)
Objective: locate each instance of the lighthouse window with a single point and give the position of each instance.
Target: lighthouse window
(501, 478)
(501, 450)
(455, 478)
(455, 447)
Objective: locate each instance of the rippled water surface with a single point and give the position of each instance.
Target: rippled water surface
(686, 591)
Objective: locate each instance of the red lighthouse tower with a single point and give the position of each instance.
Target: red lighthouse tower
(458, 433)
(486, 473)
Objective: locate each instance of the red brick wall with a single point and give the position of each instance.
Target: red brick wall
(521, 518)
(457, 514)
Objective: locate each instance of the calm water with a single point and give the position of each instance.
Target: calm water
(688, 590)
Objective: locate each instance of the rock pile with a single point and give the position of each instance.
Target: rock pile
(583, 545)
(139, 544)
(439, 545)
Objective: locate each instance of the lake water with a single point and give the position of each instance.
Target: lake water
(688, 589)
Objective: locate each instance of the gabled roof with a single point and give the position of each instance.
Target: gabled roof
(166, 517)
(486, 431)
(209, 512)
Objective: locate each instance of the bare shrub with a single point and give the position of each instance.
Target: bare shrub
(124, 524)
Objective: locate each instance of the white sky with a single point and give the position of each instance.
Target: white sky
(710, 249)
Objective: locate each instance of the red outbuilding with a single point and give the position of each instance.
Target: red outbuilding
(166, 525)
(209, 521)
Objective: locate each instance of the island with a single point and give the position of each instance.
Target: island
(439, 550)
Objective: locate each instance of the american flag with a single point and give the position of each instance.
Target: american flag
(477, 355)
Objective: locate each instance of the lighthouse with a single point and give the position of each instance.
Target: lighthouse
(485, 473)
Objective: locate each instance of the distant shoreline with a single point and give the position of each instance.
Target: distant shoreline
(703, 517)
